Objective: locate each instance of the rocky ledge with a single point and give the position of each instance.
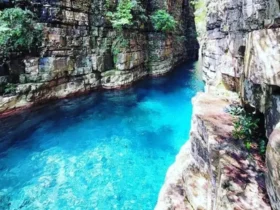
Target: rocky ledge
(82, 51)
(213, 171)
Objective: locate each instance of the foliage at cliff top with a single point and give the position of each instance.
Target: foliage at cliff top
(18, 31)
(131, 13)
(128, 13)
(122, 17)
(163, 21)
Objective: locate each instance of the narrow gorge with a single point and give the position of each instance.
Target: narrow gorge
(222, 165)
(81, 51)
(98, 97)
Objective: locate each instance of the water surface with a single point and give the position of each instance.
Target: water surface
(107, 150)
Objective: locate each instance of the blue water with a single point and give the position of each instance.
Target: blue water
(107, 150)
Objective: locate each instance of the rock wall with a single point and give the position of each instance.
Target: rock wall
(242, 53)
(213, 171)
(273, 166)
(77, 52)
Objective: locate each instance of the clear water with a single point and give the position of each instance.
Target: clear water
(107, 150)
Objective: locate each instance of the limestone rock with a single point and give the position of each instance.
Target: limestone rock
(262, 57)
(117, 79)
(82, 51)
(273, 165)
(242, 52)
(212, 171)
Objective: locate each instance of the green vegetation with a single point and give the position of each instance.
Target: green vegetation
(8, 88)
(122, 17)
(18, 31)
(262, 146)
(128, 13)
(107, 4)
(236, 110)
(247, 128)
(119, 44)
(179, 39)
(163, 21)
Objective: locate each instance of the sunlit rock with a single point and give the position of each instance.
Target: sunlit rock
(212, 171)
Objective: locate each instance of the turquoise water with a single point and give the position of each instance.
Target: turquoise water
(107, 150)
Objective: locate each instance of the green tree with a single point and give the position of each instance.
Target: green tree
(128, 13)
(122, 17)
(163, 21)
(18, 31)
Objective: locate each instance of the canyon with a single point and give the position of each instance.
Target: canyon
(240, 58)
(81, 51)
(241, 65)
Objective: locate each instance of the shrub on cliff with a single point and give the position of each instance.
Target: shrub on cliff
(247, 127)
(128, 13)
(18, 31)
(122, 17)
(163, 21)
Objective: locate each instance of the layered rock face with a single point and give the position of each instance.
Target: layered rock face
(242, 53)
(78, 50)
(212, 170)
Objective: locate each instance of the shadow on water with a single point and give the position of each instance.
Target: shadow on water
(20, 126)
(97, 151)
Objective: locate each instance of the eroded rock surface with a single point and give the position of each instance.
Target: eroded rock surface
(273, 165)
(242, 53)
(79, 51)
(213, 171)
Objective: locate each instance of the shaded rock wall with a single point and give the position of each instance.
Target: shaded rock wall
(242, 53)
(213, 171)
(76, 55)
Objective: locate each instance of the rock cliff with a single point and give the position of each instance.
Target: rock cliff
(241, 53)
(212, 170)
(273, 165)
(78, 52)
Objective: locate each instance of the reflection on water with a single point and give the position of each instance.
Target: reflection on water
(105, 150)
